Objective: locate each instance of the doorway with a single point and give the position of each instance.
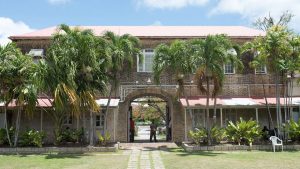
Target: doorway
(148, 114)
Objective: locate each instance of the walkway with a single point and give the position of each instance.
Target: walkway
(146, 155)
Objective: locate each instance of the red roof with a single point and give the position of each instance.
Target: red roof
(156, 31)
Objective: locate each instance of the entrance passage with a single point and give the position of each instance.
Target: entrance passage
(149, 120)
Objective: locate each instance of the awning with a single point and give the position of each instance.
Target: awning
(103, 102)
(47, 103)
(238, 102)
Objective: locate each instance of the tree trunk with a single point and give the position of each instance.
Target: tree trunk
(278, 110)
(207, 111)
(91, 129)
(268, 108)
(188, 108)
(215, 110)
(84, 127)
(107, 107)
(17, 127)
(6, 125)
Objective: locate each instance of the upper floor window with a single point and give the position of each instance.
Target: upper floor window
(36, 54)
(229, 68)
(261, 69)
(146, 64)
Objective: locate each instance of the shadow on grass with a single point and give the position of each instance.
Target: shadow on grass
(64, 156)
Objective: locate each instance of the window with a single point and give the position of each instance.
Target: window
(261, 69)
(68, 119)
(36, 54)
(100, 120)
(229, 68)
(199, 118)
(147, 62)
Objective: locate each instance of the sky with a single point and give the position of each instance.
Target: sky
(23, 16)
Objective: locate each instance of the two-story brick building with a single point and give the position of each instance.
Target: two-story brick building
(242, 94)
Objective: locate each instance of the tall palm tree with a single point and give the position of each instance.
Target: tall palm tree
(123, 49)
(210, 54)
(176, 59)
(17, 84)
(73, 72)
(274, 50)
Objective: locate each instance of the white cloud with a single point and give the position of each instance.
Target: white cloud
(10, 27)
(156, 23)
(170, 4)
(252, 9)
(56, 2)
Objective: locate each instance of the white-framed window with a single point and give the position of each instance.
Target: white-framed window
(68, 119)
(261, 69)
(229, 69)
(146, 64)
(100, 120)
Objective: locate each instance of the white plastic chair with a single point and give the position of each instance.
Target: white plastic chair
(276, 142)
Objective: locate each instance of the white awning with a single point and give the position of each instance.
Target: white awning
(238, 102)
(103, 102)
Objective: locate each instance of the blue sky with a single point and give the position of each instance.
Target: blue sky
(22, 16)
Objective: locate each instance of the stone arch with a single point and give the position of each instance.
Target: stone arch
(175, 109)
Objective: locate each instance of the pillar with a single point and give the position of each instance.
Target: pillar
(221, 117)
(256, 114)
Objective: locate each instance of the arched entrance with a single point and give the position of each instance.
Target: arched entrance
(175, 111)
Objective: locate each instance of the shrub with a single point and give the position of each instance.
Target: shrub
(294, 130)
(198, 135)
(248, 130)
(103, 139)
(32, 138)
(3, 136)
(217, 134)
(72, 135)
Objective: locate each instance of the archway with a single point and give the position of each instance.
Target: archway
(174, 107)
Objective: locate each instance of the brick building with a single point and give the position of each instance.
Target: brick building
(242, 95)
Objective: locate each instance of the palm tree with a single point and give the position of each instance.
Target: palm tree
(176, 59)
(17, 84)
(73, 71)
(122, 50)
(210, 54)
(274, 50)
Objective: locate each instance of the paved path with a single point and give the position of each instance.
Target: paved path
(145, 155)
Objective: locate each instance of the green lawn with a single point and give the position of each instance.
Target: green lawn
(70, 161)
(178, 159)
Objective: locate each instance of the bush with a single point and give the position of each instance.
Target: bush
(3, 136)
(198, 135)
(248, 130)
(217, 134)
(72, 135)
(32, 138)
(103, 139)
(294, 130)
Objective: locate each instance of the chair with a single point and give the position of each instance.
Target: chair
(276, 142)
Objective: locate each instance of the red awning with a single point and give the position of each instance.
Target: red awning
(200, 102)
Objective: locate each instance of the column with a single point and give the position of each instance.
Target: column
(42, 114)
(256, 113)
(185, 129)
(221, 117)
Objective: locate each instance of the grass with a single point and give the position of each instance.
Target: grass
(62, 161)
(178, 159)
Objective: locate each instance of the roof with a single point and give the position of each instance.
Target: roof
(237, 102)
(47, 103)
(155, 31)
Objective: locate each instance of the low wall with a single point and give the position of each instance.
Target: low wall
(268, 147)
(42, 150)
